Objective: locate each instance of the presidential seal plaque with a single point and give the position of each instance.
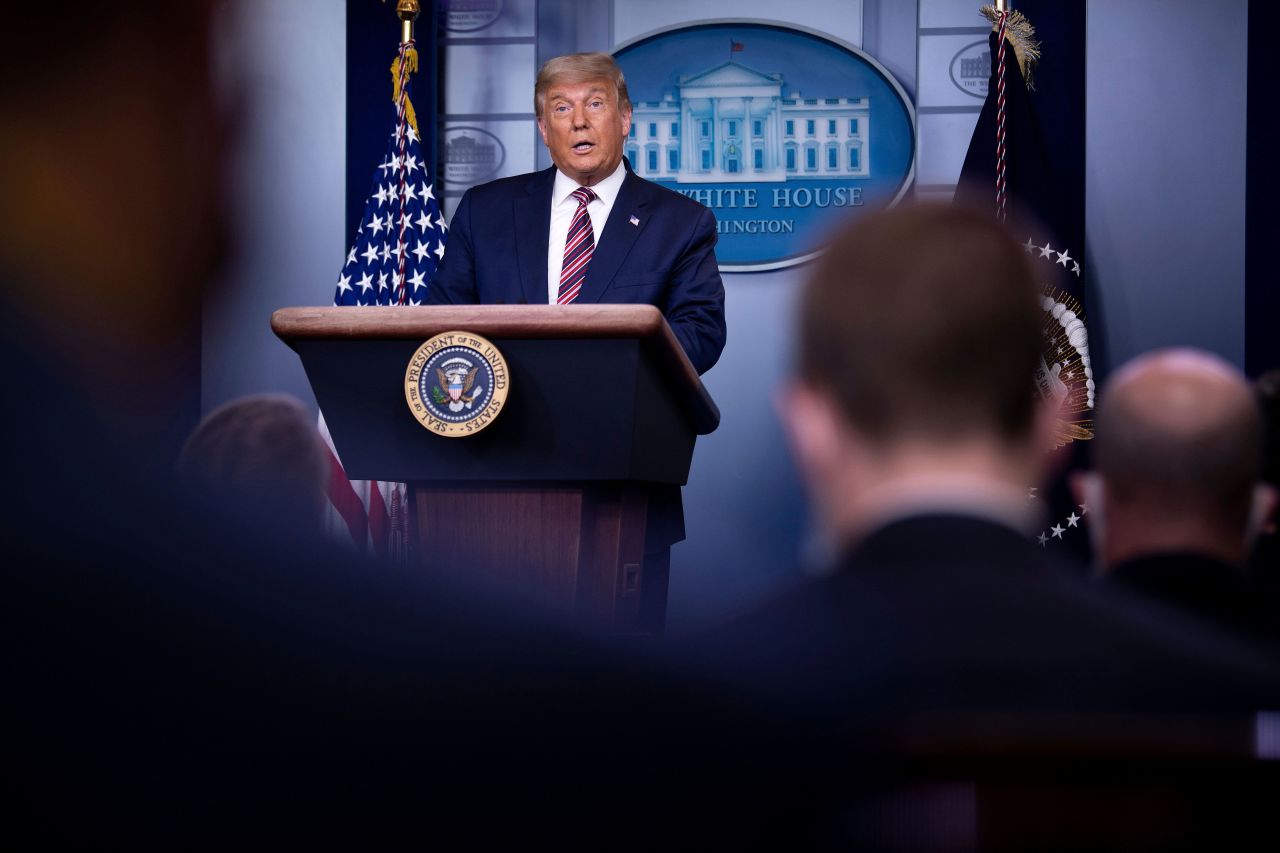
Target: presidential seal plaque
(456, 384)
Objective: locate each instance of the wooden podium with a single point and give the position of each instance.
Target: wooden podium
(557, 499)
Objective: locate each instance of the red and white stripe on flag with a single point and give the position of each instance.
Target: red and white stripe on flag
(368, 513)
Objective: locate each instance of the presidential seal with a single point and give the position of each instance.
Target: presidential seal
(456, 384)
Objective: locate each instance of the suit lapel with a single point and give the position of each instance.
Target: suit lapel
(618, 237)
(532, 230)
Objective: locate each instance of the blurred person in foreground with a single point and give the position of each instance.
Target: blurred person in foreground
(179, 679)
(263, 454)
(112, 216)
(1265, 565)
(1175, 501)
(914, 423)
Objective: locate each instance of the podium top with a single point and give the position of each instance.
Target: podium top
(524, 322)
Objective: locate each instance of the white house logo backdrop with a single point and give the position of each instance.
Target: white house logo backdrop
(472, 155)
(971, 69)
(775, 129)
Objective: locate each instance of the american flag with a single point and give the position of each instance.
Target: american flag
(401, 236)
(397, 246)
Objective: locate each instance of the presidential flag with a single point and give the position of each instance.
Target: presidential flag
(1007, 171)
(398, 244)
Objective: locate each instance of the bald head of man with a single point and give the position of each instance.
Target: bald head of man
(1177, 460)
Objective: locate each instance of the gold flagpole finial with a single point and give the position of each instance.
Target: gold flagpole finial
(407, 11)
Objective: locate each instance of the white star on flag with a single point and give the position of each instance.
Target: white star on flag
(1057, 531)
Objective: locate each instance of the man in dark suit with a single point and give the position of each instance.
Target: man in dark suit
(1176, 499)
(916, 429)
(636, 242)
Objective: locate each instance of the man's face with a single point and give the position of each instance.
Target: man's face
(584, 129)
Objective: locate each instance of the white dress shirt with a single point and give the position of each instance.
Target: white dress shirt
(563, 207)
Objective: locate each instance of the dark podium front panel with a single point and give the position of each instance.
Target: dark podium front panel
(575, 410)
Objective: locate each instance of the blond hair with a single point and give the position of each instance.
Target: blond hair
(579, 68)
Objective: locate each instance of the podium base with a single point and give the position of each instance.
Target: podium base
(577, 548)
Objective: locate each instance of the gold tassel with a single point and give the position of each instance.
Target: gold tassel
(1022, 36)
(411, 56)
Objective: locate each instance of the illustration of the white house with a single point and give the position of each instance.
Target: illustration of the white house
(732, 123)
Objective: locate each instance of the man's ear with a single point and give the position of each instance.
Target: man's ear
(1262, 512)
(626, 122)
(1077, 482)
(1087, 490)
(542, 129)
(813, 427)
(1046, 460)
(1045, 426)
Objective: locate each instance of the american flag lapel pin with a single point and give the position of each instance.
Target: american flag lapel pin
(635, 220)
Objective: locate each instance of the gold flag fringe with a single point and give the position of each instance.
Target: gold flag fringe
(1022, 36)
(411, 57)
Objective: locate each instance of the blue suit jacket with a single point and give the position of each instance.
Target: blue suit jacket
(497, 254)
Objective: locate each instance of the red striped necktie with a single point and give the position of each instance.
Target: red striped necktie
(578, 247)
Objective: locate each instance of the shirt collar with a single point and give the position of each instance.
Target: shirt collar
(951, 494)
(607, 190)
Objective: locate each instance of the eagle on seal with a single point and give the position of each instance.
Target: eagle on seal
(457, 388)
